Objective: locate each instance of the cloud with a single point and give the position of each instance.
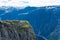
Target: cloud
(24, 3)
(39, 3)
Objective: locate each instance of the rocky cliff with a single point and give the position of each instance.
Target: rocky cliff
(16, 30)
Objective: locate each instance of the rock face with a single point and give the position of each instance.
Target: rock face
(16, 30)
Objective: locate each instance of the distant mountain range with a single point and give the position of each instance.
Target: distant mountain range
(44, 17)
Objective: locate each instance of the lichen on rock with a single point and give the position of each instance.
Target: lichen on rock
(16, 30)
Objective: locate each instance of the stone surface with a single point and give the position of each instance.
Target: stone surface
(16, 30)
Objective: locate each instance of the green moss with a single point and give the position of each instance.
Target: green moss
(22, 28)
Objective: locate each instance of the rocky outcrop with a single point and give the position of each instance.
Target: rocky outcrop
(16, 30)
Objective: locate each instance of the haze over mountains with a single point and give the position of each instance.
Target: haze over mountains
(12, 13)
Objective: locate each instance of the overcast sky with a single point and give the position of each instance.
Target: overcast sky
(24, 3)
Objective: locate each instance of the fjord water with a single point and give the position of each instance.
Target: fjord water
(44, 20)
